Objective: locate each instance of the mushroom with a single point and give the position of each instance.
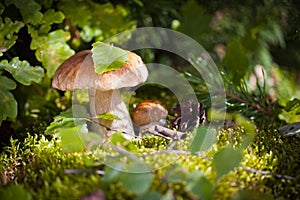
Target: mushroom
(149, 111)
(78, 72)
(150, 115)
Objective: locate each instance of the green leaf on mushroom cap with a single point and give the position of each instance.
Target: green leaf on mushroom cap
(107, 57)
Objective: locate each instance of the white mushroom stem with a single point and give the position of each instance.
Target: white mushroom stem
(110, 102)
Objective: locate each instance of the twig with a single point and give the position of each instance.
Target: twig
(267, 173)
(173, 143)
(157, 129)
(175, 135)
(82, 171)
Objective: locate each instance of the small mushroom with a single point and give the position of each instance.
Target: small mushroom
(78, 72)
(149, 111)
(150, 115)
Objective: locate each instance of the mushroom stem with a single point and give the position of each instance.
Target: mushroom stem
(110, 102)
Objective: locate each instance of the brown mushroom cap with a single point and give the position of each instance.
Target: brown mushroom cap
(149, 111)
(78, 72)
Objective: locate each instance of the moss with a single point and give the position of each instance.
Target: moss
(269, 153)
(39, 165)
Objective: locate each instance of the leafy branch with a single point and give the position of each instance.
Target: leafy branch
(23, 73)
(257, 107)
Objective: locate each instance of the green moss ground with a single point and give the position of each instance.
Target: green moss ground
(38, 164)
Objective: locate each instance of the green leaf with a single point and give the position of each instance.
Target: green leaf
(175, 174)
(71, 140)
(291, 112)
(107, 57)
(46, 3)
(112, 173)
(1, 8)
(59, 122)
(8, 104)
(76, 139)
(226, 160)
(22, 71)
(88, 33)
(50, 17)
(203, 140)
(111, 13)
(112, 19)
(73, 9)
(236, 60)
(196, 22)
(51, 50)
(108, 116)
(199, 185)
(14, 192)
(251, 195)
(118, 139)
(7, 33)
(293, 106)
(67, 119)
(29, 9)
(6, 83)
(152, 195)
(137, 182)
